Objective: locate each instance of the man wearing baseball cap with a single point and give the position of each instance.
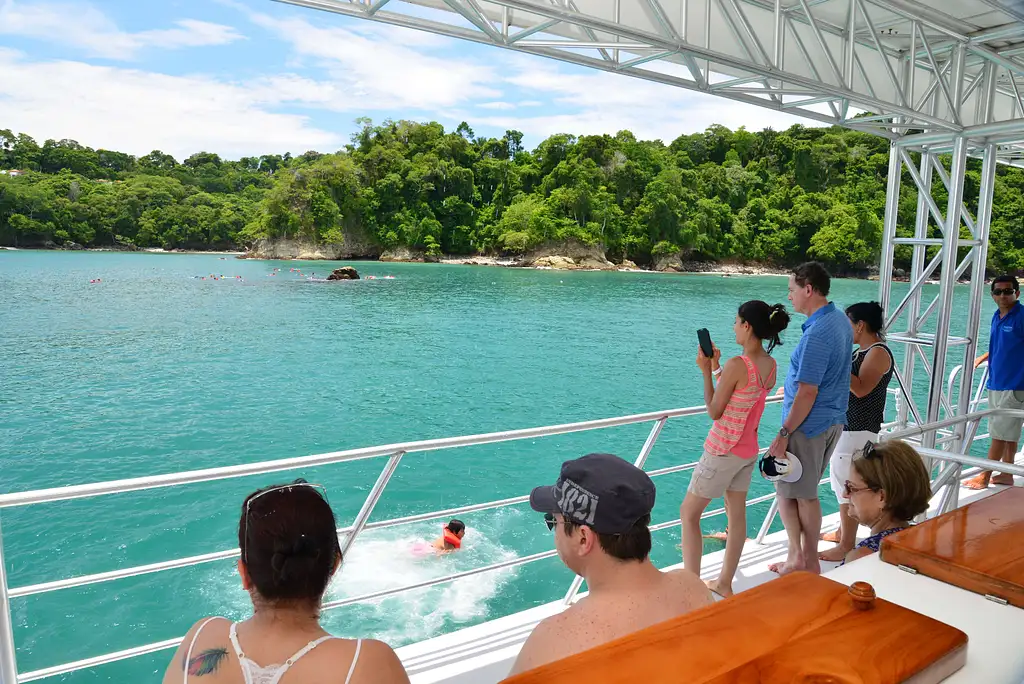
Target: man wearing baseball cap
(599, 511)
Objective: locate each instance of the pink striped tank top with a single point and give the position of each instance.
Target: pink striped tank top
(736, 431)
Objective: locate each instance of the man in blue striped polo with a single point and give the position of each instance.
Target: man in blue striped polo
(817, 392)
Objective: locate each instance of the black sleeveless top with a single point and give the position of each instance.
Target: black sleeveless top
(867, 413)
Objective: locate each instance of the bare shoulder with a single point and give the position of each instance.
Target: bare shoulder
(207, 650)
(692, 586)
(550, 640)
(378, 663)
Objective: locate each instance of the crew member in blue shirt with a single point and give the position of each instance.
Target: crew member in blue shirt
(1005, 358)
(817, 394)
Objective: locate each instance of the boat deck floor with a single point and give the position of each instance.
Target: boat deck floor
(483, 654)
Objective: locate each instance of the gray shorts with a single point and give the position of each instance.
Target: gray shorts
(814, 453)
(1005, 428)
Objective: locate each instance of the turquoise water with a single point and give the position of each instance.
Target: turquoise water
(153, 371)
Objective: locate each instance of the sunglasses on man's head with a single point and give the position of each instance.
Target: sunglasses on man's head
(1003, 291)
(549, 520)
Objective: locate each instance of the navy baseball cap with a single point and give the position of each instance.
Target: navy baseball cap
(601, 491)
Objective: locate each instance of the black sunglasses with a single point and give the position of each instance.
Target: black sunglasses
(549, 520)
(1007, 291)
(870, 451)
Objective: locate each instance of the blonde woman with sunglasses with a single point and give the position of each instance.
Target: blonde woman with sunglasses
(887, 488)
(289, 553)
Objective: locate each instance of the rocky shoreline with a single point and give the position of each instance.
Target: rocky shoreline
(561, 256)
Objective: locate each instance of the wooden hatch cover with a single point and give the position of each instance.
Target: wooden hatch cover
(979, 547)
(801, 628)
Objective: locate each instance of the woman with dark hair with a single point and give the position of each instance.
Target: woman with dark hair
(736, 405)
(873, 367)
(289, 552)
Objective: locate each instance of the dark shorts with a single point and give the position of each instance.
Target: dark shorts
(814, 453)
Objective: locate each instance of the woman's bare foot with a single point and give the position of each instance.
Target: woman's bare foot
(979, 481)
(832, 536)
(834, 555)
(1003, 479)
(723, 590)
(721, 536)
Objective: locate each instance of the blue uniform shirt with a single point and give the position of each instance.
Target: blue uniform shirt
(1006, 350)
(822, 358)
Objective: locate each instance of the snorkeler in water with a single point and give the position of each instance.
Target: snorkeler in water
(451, 537)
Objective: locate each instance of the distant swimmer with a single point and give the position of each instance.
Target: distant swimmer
(451, 537)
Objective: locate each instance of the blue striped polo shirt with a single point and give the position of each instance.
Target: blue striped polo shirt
(822, 358)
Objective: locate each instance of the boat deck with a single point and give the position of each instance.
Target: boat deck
(484, 653)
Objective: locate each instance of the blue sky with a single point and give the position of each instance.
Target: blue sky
(241, 77)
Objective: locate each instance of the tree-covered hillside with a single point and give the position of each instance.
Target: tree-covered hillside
(774, 197)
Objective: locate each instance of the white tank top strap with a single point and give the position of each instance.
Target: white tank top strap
(191, 645)
(233, 636)
(355, 659)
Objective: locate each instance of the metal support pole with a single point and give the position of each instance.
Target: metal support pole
(892, 206)
(8, 662)
(371, 500)
(769, 518)
(917, 269)
(951, 234)
(981, 227)
(645, 451)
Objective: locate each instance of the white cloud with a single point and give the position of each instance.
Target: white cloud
(137, 111)
(496, 105)
(600, 102)
(83, 26)
(376, 67)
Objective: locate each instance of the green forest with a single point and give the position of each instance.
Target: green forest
(772, 197)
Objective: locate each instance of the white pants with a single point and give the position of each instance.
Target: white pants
(842, 458)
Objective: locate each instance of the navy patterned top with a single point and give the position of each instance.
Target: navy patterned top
(875, 540)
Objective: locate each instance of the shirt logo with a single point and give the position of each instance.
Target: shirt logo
(577, 503)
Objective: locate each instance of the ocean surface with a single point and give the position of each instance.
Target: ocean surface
(153, 369)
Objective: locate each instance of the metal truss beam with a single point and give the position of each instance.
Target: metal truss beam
(946, 348)
(827, 60)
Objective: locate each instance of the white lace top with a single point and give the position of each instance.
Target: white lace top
(269, 674)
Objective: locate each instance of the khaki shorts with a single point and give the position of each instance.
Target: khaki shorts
(842, 460)
(814, 453)
(714, 475)
(1005, 428)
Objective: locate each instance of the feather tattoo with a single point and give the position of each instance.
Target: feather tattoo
(207, 662)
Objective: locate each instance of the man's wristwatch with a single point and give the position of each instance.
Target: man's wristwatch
(783, 432)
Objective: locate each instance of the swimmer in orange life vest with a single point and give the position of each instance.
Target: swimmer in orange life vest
(451, 537)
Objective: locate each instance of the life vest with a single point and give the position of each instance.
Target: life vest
(451, 538)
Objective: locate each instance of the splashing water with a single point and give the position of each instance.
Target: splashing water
(387, 559)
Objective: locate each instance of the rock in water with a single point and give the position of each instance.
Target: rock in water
(344, 273)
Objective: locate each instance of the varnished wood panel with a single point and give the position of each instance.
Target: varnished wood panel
(979, 547)
(798, 628)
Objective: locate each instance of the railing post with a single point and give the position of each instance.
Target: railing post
(8, 661)
(371, 500)
(769, 518)
(648, 446)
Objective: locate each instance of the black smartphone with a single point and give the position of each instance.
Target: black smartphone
(704, 339)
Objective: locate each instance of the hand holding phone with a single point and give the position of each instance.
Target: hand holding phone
(704, 339)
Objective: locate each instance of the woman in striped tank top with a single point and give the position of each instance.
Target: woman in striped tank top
(730, 450)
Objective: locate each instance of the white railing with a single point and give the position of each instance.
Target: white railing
(948, 478)
(392, 452)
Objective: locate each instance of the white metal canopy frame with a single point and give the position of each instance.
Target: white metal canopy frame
(920, 73)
